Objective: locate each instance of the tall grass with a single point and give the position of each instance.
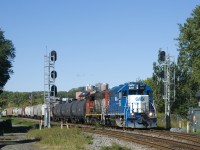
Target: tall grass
(56, 138)
(174, 120)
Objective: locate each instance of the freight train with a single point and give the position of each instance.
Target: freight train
(127, 105)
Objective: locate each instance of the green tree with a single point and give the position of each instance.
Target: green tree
(189, 61)
(160, 106)
(7, 55)
(157, 84)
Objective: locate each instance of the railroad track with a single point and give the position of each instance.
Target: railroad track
(183, 137)
(158, 139)
(144, 139)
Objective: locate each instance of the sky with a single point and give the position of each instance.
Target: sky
(110, 41)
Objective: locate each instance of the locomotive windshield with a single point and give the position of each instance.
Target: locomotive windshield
(136, 92)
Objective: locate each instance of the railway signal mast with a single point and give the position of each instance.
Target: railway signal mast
(50, 89)
(167, 75)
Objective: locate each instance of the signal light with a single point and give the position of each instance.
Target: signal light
(162, 74)
(53, 74)
(53, 55)
(162, 56)
(53, 90)
(162, 90)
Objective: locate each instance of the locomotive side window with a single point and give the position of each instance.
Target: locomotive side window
(124, 93)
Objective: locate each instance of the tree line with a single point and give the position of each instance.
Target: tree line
(20, 99)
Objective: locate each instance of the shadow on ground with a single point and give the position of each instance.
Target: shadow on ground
(13, 142)
(11, 135)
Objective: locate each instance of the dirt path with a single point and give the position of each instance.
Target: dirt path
(16, 141)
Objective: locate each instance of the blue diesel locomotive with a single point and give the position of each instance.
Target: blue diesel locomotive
(131, 105)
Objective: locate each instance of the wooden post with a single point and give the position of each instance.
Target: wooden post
(61, 124)
(40, 124)
(180, 124)
(67, 125)
(188, 126)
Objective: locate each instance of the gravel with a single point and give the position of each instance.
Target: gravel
(179, 130)
(99, 141)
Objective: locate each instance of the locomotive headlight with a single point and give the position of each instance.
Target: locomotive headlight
(150, 114)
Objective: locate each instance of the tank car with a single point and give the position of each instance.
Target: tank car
(131, 105)
(73, 111)
(57, 112)
(62, 111)
(78, 109)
